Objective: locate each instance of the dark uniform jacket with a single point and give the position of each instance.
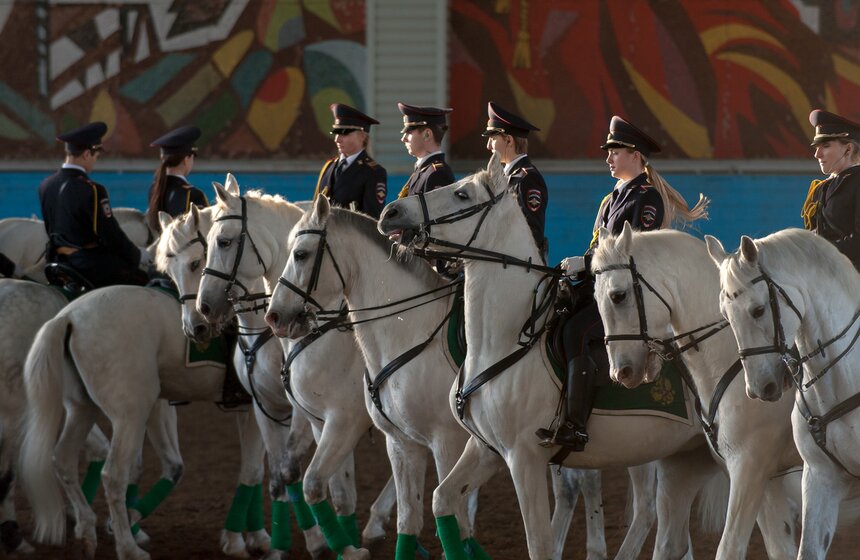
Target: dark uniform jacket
(434, 172)
(364, 182)
(528, 183)
(179, 195)
(636, 202)
(832, 211)
(77, 213)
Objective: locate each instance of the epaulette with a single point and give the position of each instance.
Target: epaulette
(437, 165)
(370, 162)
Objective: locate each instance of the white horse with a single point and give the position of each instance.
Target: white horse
(84, 351)
(362, 264)
(324, 378)
(24, 239)
(504, 411)
(662, 286)
(796, 286)
(182, 252)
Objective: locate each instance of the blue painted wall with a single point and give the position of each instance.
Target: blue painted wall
(755, 205)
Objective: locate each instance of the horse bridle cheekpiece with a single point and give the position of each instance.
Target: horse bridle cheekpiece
(243, 235)
(198, 239)
(307, 294)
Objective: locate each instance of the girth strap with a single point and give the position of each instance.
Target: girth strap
(818, 425)
(250, 353)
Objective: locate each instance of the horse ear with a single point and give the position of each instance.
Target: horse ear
(715, 249)
(222, 194)
(603, 234)
(232, 185)
(749, 252)
(625, 241)
(195, 215)
(496, 171)
(164, 219)
(321, 210)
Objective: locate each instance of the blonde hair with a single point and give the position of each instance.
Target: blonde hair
(676, 210)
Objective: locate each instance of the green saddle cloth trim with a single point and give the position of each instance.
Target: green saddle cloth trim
(456, 346)
(213, 352)
(665, 395)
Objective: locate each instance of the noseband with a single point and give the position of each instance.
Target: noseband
(322, 248)
(231, 278)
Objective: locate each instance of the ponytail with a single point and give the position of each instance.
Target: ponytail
(159, 185)
(676, 209)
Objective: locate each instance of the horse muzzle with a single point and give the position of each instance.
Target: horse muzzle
(292, 326)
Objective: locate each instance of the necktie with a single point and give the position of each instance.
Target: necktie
(338, 168)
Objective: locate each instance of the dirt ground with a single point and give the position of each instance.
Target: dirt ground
(187, 525)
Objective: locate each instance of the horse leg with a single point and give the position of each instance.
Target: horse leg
(80, 418)
(251, 470)
(380, 514)
(126, 442)
(777, 521)
(476, 465)
(11, 538)
(643, 485)
(679, 479)
(445, 455)
(566, 483)
(95, 453)
(527, 470)
(822, 493)
(592, 498)
(299, 444)
(409, 467)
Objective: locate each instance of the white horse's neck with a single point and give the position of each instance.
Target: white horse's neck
(372, 279)
(271, 221)
(499, 300)
(829, 307)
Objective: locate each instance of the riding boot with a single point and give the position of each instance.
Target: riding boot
(580, 396)
(233, 394)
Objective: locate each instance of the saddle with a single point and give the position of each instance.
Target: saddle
(67, 279)
(572, 297)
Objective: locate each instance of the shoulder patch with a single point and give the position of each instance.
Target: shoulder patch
(381, 191)
(105, 204)
(648, 216)
(534, 199)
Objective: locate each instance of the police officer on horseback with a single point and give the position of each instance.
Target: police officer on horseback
(832, 207)
(422, 134)
(642, 197)
(82, 230)
(352, 179)
(170, 191)
(507, 134)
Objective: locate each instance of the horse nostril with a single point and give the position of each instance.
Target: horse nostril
(392, 213)
(200, 330)
(272, 318)
(205, 309)
(770, 390)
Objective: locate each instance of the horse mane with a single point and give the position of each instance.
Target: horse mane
(647, 245)
(365, 226)
(168, 245)
(793, 249)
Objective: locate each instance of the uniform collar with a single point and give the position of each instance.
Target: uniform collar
(509, 167)
(73, 166)
(351, 159)
(638, 180)
(420, 163)
(177, 175)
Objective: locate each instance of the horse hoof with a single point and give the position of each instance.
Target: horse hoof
(276, 555)
(352, 553)
(23, 548)
(324, 553)
(374, 544)
(258, 543)
(143, 540)
(233, 544)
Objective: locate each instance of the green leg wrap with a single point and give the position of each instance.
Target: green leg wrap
(239, 509)
(350, 526)
(154, 497)
(304, 518)
(131, 496)
(90, 487)
(449, 534)
(281, 537)
(407, 546)
(474, 550)
(335, 536)
(254, 521)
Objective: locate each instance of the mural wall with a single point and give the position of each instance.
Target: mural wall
(708, 79)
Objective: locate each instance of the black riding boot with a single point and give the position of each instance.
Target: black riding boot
(580, 397)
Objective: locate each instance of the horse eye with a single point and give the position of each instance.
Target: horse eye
(617, 297)
(224, 242)
(758, 312)
(300, 255)
(462, 195)
(195, 265)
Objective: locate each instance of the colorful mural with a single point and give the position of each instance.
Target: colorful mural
(256, 76)
(727, 79)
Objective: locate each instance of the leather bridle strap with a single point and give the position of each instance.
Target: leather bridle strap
(187, 245)
(250, 353)
(322, 248)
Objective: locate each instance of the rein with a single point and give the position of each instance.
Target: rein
(817, 424)
(668, 349)
(232, 277)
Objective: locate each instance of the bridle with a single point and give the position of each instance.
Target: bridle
(307, 294)
(232, 277)
(199, 238)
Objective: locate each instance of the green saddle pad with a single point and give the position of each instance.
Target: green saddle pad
(663, 397)
(210, 353)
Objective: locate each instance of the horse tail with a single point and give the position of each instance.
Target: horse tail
(43, 380)
(714, 503)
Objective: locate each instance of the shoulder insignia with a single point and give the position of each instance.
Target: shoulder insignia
(105, 204)
(534, 199)
(437, 164)
(381, 191)
(648, 216)
(370, 162)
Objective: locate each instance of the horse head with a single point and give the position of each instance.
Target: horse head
(181, 253)
(633, 317)
(763, 316)
(454, 213)
(309, 281)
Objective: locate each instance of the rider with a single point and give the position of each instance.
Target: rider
(82, 230)
(170, 191)
(642, 197)
(423, 131)
(832, 207)
(352, 179)
(507, 134)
